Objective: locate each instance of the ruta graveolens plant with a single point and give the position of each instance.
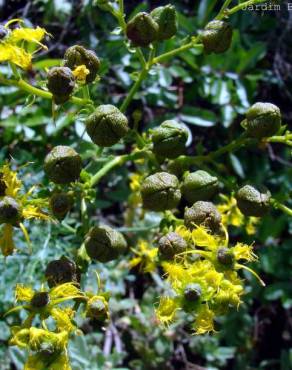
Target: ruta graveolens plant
(190, 246)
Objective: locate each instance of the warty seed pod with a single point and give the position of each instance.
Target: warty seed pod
(107, 125)
(165, 17)
(61, 83)
(170, 245)
(199, 185)
(63, 165)
(142, 30)
(10, 211)
(192, 292)
(217, 37)
(77, 55)
(40, 299)
(253, 201)
(262, 120)
(202, 213)
(104, 244)
(160, 192)
(225, 256)
(97, 308)
(169, 139)
(61, 271)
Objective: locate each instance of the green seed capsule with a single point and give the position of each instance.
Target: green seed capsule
(10, 211)
(192, 292)
(61, 271)
(160, 192)
(97, 309)
(107, 125)
(262, 120)
(104, 244)
(60, 204)
(169, 139)
(225, 256)
(170, 245)
(165, 17)
(253, 201)
(63, 165)
(217, 37)
(202, 213)
(77, 55)
(61, 83)
(199, 185)
(40, 299)
(142, 30)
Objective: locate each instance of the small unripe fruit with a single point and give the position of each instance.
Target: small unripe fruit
(3, 32)
(60, 204)
(77, 55)
(63, 165)
(3, 185)
(262, 120)
(202, 213)
(142, 30)
(10, 211)
(104, 244)
(253, 201)
(192, 292)
(225, 256)
(165, 17)
(199, 185)
(97, 309)
(160, 192)
(217, 37)
(61, 83)
(40, 299)
(61, 271)
(169, 139)
(107, 125)
(171, 245)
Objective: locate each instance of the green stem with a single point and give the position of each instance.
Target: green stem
(25, 86)
(172, 53)
(222, 14)
(280, 206)
(285, 139)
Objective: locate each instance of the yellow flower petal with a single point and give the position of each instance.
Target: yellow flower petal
(166, 310)
(27, 34)
(23, 293)
(63, 320)
(204, 321)
(80, 73)
(30, 211)
(12, 183)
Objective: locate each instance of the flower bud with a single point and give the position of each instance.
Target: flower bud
(253, 201)
(199, 185)
(61, 83)
(40, 299)
(60, 204)
(61, 271)
(3, 185)
(77, 55)
(104, 244)
(10, 212)
(262, 120)
(169, 139)
(165, 17)
(202, 213)
(160, 192)
(170, 245)
(63, 165)
(217, 37)
(142, 30)
(97, 308)
(225, 256)
(107, 125)
(192, 292)
(3, 32)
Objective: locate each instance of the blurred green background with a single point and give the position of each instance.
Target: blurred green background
(208, 93)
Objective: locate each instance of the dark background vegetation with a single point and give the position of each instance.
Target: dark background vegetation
(210, 94)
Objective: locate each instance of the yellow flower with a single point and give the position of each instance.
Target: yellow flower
(204, 322)
(245, 252)
(166, 310)
(146, 257)
(12, 46)
(80, 73)
(29, 208)
(135, 182)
